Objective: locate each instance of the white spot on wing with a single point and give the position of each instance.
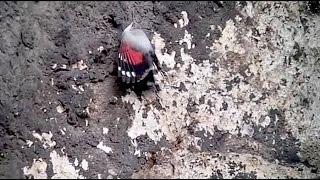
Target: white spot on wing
(133, 74)
(123, 73)
(128, 74)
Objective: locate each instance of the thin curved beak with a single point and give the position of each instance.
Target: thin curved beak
(129, 27)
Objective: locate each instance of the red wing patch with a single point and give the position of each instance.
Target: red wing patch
(131, 56)
(129, 63)
(132, 65)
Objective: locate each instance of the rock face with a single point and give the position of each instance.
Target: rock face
(241, 98)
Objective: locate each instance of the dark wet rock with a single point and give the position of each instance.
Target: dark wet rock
(314, 6)
(216, 175)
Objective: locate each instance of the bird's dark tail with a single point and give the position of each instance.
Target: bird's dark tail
(157, 65)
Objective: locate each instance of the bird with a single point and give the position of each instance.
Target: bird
(137, 61)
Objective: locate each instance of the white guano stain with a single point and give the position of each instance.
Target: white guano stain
(202, 165)
(62, 168)
(37, 170)
(29, 143)
(45, 138)
(249, 9)
(104, 148)
(60, 109)
(79, 65)
(100, 49)
(84, 164)
(265, 122)
(62, 132)
(164, 58)
(76, 162)
(54, 66)
(228, 41)
(112, 172)
(81, 88)
(186, 39)
(135, 145)
(63, 66)
(74, 87)
(105, 131)
(184, 21)
(148, 125)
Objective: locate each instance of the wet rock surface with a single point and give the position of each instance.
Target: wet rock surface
(240, 99)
